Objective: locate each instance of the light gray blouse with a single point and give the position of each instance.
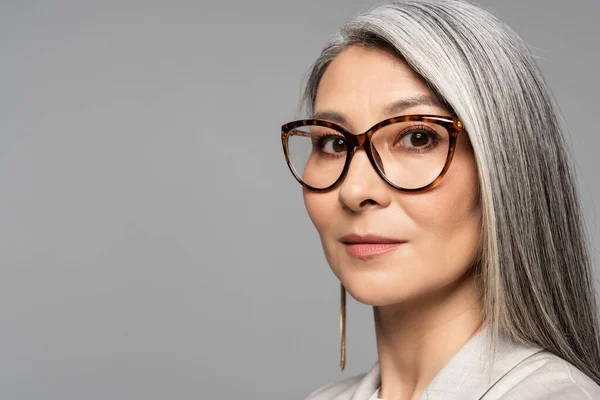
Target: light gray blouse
(518, 373)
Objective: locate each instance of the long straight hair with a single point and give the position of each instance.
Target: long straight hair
(536, 274)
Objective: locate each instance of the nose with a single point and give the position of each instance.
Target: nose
(362, 187)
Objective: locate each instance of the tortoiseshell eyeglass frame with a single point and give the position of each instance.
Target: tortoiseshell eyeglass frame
(363, 140)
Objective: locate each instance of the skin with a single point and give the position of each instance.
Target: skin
(426, 300)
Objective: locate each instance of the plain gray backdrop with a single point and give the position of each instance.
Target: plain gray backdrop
(153, 244)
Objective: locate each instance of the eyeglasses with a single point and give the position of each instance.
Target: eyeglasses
(411, 152)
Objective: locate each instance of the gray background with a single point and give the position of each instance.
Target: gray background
(153, 244)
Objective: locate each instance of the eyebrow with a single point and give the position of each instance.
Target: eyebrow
(396, 108)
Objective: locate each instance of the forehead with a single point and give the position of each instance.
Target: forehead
(362, 81)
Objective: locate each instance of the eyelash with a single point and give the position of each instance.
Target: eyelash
(320, 139)
(433, 135)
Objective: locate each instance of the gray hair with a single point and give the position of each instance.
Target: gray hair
(536, 274)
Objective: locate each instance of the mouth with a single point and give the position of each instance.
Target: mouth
(369, 246)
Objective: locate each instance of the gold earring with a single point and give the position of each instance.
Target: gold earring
(343, 327)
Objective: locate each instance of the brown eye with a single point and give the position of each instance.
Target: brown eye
(416, 139)
(333, 144)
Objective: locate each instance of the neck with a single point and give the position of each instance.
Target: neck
(416, 338)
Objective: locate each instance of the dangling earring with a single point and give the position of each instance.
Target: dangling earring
(343, 327)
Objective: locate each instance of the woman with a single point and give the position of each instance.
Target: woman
(435, 172)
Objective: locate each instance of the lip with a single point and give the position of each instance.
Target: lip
(369, 246)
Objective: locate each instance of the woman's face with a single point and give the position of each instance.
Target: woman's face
(435, 233)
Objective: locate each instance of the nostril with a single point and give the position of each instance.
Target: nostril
(367, 202)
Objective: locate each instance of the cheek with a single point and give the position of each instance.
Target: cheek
(449, 217)
(320, 207)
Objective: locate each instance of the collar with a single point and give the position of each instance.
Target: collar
(469, 374)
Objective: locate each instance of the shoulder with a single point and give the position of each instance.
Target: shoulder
(341, 390)
(357, 386)
(544, 376)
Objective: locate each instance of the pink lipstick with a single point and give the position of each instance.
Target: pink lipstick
(369, 246)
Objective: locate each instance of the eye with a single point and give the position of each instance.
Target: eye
(332, 144)
(418, 139)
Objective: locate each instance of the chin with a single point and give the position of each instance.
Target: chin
(374, 294)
